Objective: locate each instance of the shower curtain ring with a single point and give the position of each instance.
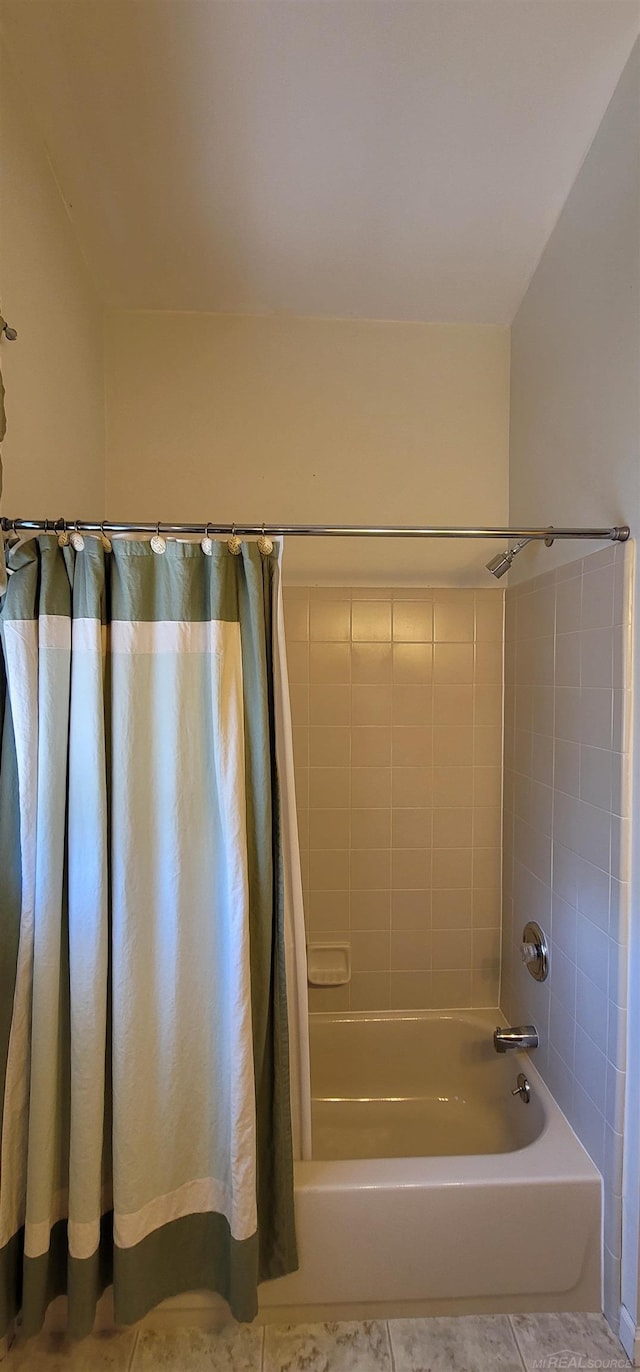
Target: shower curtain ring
(234, 543)
(77, 540)
(206, 542)
(158, 543)
(105, 540)
(63, 536)
(265, 544)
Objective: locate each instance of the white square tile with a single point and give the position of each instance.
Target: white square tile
(565, 873)
(618, 976)
(596, 657)
(597, 598)
(589, 1124)
(596, 716)
(593, 953)
(562, 984)
(596, 776)
(567, 671)
(568, 605)
(594, 835)
(564, 922)
(592, 1010)
(593, 893)
(590, 1069)
(562, 1033)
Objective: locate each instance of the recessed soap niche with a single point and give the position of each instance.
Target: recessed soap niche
(328, 964)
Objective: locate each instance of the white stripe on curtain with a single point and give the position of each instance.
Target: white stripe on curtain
(173, 636)
(179, 847)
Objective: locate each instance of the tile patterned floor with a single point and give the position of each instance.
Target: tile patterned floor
(487, 1343)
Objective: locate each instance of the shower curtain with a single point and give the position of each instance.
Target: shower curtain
(144, 1080)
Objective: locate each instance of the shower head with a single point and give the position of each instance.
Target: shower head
(502, 561)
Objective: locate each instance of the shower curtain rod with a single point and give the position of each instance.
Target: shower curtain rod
(617, 534)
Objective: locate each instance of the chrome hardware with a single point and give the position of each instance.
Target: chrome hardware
(523, 1089)
(618, 534)
(521, 1036)
(501, 563)
(535, 951)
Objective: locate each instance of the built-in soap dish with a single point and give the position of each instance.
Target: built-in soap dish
(328, 964)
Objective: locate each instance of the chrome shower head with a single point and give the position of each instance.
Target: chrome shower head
(499, 564)
(502, 561)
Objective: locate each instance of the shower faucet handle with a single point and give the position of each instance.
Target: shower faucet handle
(535, 951)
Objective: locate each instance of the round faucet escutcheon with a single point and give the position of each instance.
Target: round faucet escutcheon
(523, 1089)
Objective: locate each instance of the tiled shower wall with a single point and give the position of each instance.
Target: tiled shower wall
(397, 713)
(567, 706)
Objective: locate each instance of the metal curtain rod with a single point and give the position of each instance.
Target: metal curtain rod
(617, 534)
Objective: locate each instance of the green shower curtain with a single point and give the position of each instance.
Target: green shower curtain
(144, 1086)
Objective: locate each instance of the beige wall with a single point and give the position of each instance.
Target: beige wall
(397, 710)
(53, 454)
(575, 350)
(575, 453)
(315, 421)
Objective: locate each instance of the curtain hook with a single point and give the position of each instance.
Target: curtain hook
(206, 542)
(234, 543)
(77, 541)
(265, 544)
(63, 536)
(158, 543)
(105, 540)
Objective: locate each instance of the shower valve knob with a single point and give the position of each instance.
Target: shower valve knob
(529, 952)
(535, 951)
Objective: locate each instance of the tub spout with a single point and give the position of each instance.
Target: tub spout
(522, 1036)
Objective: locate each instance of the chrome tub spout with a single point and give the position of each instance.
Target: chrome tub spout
(520, 1036)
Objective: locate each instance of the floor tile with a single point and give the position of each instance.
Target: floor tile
(347, 1347)
(587, 1337)
(466, 1343)
(107, 1352)
(234, 1348)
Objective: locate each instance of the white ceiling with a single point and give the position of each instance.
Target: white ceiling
(389, 159)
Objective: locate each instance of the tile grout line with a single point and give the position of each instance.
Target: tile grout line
(517, 1342)
(390, 1344)
(134, 1349)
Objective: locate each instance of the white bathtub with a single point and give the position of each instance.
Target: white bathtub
(506, 1219)
(433, 1189)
